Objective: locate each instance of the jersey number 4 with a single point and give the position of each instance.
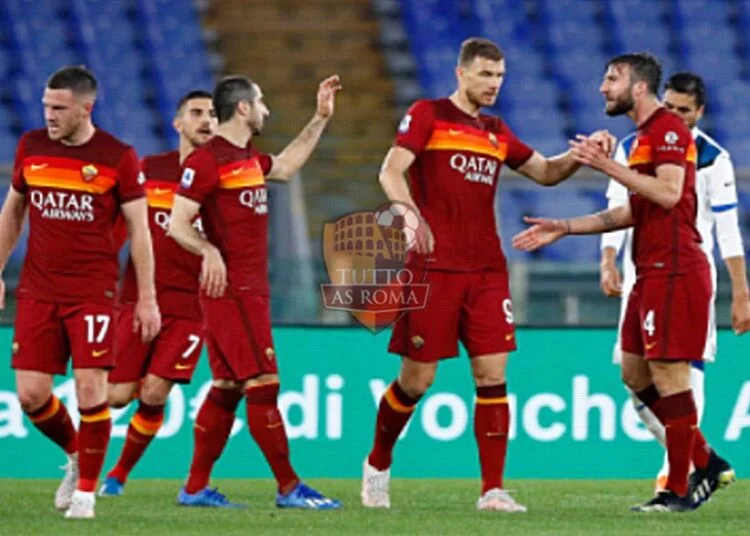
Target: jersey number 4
(649, 323)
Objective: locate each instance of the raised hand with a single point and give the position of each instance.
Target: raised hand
(327, 95)
(542, 233)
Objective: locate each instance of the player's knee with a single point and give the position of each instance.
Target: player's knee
(31, 399)
(154, 395)
(415, 385)
(90, 393)
(487, 378)
(118, 401)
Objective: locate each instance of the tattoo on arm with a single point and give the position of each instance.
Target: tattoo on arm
(607, 219)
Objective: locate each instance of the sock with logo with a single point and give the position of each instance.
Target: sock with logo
(93, 438)
(701, 450)
(491, 424)
(53, 420)
(681, 419)
(212, 427)
(267, 428)
(395, 409)
(143, 427)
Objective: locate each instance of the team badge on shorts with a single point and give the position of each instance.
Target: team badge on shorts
(417, 342)
(366, 257)
(15, 347)
(89, 172)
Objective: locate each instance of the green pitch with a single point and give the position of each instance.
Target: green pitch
(433, 507)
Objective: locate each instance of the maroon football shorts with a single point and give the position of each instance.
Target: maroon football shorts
(668, 317)
(473, 307)
(47, 334)
(238, 336)
(172, 355)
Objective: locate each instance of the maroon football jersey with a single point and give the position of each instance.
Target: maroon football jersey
(176, 271)
(665, 241)
(454, 178)
(229, 183)
(74, 195)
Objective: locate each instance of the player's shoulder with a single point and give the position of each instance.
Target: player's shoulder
(708, 149)
(109, 142)
(167, 158)
(166, 163)
(34, 140)
(670, 121)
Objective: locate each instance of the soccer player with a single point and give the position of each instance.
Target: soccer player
(453, 154)
(224, 181)
(667, 317)
(152, 369)
(74, 180)
(685, 95)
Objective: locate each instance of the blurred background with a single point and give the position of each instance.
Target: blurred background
(148, 53)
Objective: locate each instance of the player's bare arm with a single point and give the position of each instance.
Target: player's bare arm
(392, 178)
(213, 269)
(554, 170)
(740, 294)
(11, 225)
(546, 231)
(146, 317)
(665, 191)
(287, 163)
(609, 276)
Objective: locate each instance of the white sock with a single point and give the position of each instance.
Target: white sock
(649, 419)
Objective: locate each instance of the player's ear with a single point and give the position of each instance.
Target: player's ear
(177, 124)
(243, 107)
(88, 105)
(700, 111)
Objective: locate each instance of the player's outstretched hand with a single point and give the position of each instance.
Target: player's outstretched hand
(588, 152)
(541, 233)
(147, 319)
(327, 95)
(424, 240)
(741, 315)
(213, 273)
(605, 140)
(610, 280)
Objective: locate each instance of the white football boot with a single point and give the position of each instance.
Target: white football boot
(499, 500)
(375, 486)
(64, 494)
(81, 505)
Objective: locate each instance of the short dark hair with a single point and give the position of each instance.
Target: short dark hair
(194, 94)
(689, 83)
(229, 92)
(76, 78)
(479, 47)
(644, 67)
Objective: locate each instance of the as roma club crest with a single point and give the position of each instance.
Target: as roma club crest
(89, 172)
(493, 139)
(372, 273)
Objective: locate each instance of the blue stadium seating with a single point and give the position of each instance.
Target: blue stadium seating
(145, 53)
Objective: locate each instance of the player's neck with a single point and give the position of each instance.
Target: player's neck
(80, 136)
(643, 110)
(236, 133)
(185, 149)
(461, 102)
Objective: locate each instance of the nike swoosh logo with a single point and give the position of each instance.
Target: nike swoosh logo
(509, 337)
(99, 353)
(454, 132)
(183, 367)
(236, 172)
(649, 346)
(162, 191)
(37, 167)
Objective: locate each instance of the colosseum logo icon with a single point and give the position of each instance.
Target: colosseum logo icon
(366, 257)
